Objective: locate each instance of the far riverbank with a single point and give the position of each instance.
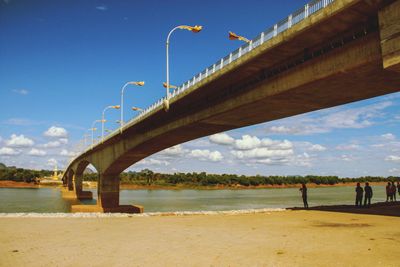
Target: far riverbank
(13, 184)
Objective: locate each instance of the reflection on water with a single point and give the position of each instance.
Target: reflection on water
(49, 199)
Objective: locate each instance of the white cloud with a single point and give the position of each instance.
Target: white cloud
(282, 130)
(1, 139)
(174, 151)
(276, 144)
(37, 152)
(333, 118)
(347, 158)
(316, 147)
(262, 152)
(206, 155)
(102, 8)
(67, 153)
(52, 162)
(393, 158)
(388, 136)
(395, 171)
(63, 141)
(51, 144)
(19, 141)
(247, 142)
(348, 147)
(153, 162)
(303, 160)
(54, 131)
(7, 151)
(270, 161)
(377, 145)
(22, 122)
(21, 91)
(221, 139)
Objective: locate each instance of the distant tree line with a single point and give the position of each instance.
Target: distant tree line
(148, 177)
(21, 175)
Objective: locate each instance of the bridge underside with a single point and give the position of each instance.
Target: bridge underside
(349, 52)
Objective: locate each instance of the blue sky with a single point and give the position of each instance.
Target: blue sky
(62, 62)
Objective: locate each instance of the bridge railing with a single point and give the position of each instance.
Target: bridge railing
(263, 37)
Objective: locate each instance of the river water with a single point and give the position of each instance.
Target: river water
(49, 199)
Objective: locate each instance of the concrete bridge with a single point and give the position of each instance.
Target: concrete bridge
(327, 54)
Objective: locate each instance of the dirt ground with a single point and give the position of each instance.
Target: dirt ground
(285, 238)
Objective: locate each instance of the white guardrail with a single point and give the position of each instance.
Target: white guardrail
(263, 37)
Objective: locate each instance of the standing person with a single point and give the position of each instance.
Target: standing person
(359, 195)
(393, 191)
(303, 190)
(398, 187)
(387, 191)
(368, 194)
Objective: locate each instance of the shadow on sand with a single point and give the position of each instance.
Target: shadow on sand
(380, 208)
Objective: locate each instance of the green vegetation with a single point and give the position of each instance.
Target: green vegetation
(21, 175)
(2, 166)
(148, 177)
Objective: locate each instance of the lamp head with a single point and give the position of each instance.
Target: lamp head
(170, 85)
(195, 29)
(233, 36)
(141, 83)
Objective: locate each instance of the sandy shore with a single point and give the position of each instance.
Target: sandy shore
(285, 238)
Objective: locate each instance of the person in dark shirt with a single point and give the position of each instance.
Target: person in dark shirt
(393, 192)
(398, 187)
(303, 190)
(367, 195)
(388, 186)
(359, 195)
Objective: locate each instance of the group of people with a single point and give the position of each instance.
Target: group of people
(367, 196)
(361, 193)
(391, 191)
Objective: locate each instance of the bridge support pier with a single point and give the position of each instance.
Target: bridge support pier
(80, 194)
(108, 198)
(389, 21)
(74, 188)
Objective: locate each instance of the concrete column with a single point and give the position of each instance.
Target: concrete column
(78, 183)
(108, 191)
(80, 194)
(70, 182)
(389, 29)
(70, 192)
(108, 198)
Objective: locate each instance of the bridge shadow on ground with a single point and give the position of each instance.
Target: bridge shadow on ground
(380, 208)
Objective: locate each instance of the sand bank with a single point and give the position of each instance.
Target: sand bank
(285, 238)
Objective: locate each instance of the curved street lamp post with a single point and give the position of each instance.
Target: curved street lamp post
(103, 119)
(122, 99)
(94, 129)
(194, 29)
